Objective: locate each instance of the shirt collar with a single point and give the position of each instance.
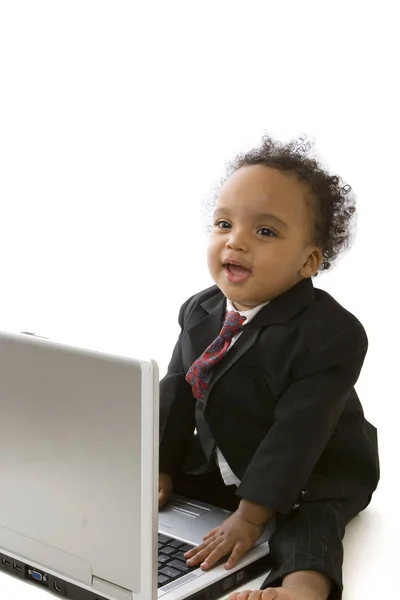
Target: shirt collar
(249, 314)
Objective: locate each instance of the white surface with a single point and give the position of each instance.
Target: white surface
(115, 119)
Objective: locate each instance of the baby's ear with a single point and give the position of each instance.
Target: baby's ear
(312, 264)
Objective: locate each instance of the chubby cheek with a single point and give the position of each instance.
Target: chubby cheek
(272, 269)
(213, 257)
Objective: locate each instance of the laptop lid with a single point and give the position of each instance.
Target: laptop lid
(78, 466)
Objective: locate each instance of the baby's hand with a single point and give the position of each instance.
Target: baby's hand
(164, 488)
(235, 536)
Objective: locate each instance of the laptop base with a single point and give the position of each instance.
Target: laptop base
(56, 585)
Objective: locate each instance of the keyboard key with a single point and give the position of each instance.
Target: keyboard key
(162, 579)
(179, 555)
(187, 547)
(179, 564)
(164, 539)
(176, 543)
(162, 558)
(167, 550)
(170, 572)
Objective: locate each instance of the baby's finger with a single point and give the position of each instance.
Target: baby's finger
(254, 595)
(202, 554)
(199, 548)
(238, 551)
(194, 551)
(211, 533)
(220, 550)
(162, 497)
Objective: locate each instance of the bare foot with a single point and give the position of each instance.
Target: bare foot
(278, 593)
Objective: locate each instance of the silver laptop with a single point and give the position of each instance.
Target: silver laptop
(79, 480)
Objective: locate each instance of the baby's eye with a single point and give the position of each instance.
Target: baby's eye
(222, 224)
(267, 232)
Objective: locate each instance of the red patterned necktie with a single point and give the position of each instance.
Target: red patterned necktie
(200, 372)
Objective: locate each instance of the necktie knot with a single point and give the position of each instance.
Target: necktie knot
(232, 324)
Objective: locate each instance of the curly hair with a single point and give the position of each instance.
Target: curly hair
(333, 203)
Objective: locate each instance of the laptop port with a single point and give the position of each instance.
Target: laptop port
(38, 576)
(17, 568)
(6, 562)
(59, 587)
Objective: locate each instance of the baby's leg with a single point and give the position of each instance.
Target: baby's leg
(307, 553)
(309, 539)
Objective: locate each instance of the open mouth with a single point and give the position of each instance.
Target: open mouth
(236, 273)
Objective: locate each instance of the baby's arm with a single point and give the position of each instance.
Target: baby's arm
(305, 417)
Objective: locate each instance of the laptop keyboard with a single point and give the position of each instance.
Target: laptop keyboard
(171, 562)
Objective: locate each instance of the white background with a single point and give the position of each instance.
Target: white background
(115, 120)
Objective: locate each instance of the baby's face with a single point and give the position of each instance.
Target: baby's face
(262, 222)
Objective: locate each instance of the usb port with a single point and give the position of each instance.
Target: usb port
(17, 567)
(6, 562)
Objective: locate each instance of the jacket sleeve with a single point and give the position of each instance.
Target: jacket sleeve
(304, 420)
(177, 408)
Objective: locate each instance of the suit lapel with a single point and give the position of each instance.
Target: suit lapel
(240, 347)
(202, 333)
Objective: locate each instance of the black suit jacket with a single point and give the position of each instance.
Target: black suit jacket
(281, 405)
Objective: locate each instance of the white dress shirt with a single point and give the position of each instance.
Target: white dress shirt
(226, 472)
